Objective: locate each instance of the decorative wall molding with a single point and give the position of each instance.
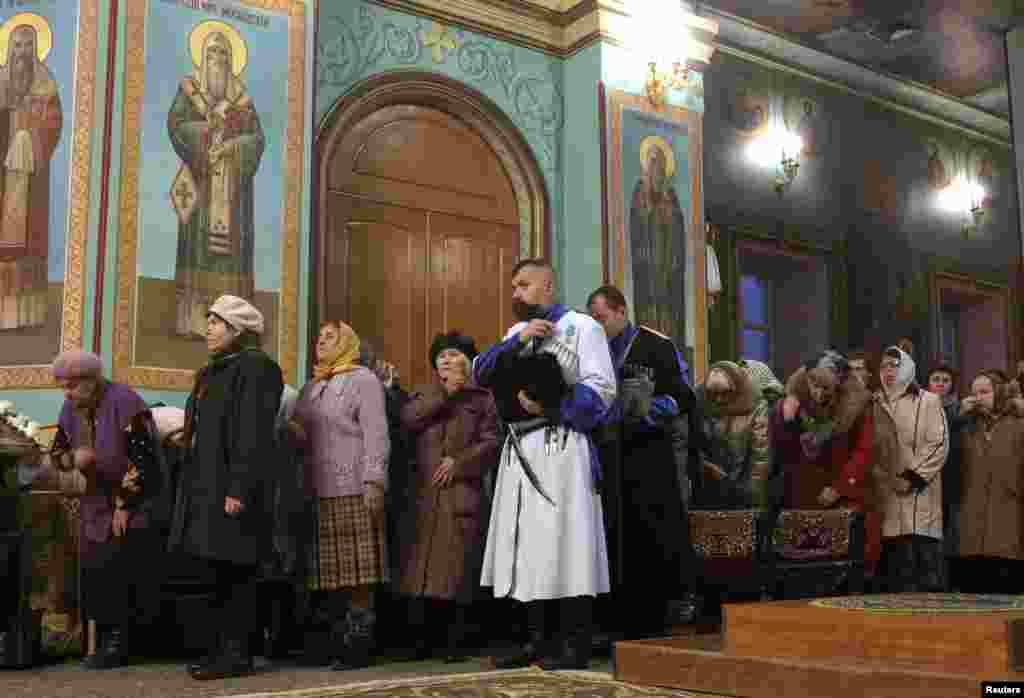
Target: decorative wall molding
(563, 27)
(557, 28)
(348, 52)
(755, 43)
(356, 42)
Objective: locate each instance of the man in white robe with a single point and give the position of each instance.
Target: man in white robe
(546, 541)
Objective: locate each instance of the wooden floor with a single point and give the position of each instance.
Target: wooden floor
(790, 648)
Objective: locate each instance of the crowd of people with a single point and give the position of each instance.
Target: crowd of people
(556, 469)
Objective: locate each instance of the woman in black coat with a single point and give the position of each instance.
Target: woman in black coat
(223, 505)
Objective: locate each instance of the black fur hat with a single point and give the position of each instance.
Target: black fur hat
(452, 340)
(537, 375)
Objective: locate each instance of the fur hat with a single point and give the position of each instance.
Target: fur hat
(744, 397)
(452, 340)
(77, 364)
(852, 398)
(239, 313)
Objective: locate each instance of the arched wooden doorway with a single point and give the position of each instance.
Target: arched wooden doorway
(427, 196)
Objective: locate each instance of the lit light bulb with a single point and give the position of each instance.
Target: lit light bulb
(769, 149)
(960, 196)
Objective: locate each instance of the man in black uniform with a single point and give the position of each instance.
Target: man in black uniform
(645, 454)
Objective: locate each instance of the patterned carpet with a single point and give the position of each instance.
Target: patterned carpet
(520, 683)
(925, 603)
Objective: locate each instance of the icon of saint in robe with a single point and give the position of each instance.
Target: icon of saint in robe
(215, 130)
(31, 120)
(657, 237)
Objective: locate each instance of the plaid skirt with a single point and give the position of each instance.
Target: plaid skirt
(351, 548)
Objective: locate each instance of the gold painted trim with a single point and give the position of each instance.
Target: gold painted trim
(80, 163)
(617, 102)
(127, 245)
(561, 33)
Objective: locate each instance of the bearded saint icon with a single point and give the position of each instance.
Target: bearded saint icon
(657, 235)
(31, 119)
(215, 130)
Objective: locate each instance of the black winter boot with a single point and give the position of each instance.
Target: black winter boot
(324, 631)
(456, 635)
(212, 650)
(109, 652)
(233, 660)
(358, 640)
(535, 647)
(577, 635)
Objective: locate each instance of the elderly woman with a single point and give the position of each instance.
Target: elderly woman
(343, 415)
(223, 504)
(991, 548)
(823, 435)
(455, 424)
(733, 440)
(911, 441)
(90, 460)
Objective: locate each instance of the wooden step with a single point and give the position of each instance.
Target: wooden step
(699, 664)
(976, 644)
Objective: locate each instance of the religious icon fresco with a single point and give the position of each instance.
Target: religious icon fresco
(657, 237)
(653, 254)
(218, 91)
(47, 62)
(215, 130)
(31, 118)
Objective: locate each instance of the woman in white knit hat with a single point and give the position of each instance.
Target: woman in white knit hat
(222, 508)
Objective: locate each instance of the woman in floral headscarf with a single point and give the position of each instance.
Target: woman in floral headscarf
(342, 413)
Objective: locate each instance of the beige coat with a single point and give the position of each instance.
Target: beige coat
(917, 424)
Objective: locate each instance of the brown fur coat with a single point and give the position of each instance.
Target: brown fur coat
(853, 398)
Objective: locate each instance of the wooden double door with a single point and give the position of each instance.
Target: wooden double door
(420, 229)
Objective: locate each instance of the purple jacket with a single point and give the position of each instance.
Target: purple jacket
(347, 427)
(117, 406)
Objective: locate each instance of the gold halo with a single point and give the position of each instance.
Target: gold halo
(44, 37)
(239, 51)
(661, 144)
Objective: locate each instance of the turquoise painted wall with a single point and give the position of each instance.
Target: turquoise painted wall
(358, 39)
(622, 69)
(581, 271)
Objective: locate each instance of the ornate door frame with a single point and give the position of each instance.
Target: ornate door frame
(424, 89)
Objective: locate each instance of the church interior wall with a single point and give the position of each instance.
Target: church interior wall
(871, 181)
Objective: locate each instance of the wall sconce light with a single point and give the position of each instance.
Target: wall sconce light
(965, 198)
(788, 169)
(778, 149)
(974, 222)
(659, 83)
